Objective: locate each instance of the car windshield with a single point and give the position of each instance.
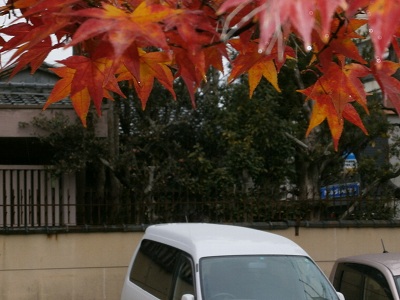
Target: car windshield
(272, 277)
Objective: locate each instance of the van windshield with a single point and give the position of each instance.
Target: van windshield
(271, 277)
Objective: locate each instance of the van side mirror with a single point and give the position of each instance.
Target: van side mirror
(340, 295)
(190, 297)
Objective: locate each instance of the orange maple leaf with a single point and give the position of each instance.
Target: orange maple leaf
(153, 65)
(81, 103)
(257, 64)
(62, 89)
(333, 92)
(122, 28)
(214, 56)
(344, 40)
(84, 79)
(354, 72)
(342, 43)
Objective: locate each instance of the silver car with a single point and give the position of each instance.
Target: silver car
(368, 276)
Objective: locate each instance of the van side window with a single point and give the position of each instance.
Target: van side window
(153, 268)
(184, 279)
(361, 282)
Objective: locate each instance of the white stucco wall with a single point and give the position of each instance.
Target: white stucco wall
(93, 265)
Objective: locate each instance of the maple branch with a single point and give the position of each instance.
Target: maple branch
(297, 76)
(227, 33)
(239, 31)
(308, 106)
(334, 35)
(297, 141)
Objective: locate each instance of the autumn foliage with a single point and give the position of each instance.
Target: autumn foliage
(139, 41)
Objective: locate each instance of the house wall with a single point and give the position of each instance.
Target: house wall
(28, 93)
(93, 265)
(11, 118)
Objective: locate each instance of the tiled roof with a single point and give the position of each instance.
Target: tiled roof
(23, 94)
(22, 99)
(27, 90)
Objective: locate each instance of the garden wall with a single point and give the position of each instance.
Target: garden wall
(92, 265)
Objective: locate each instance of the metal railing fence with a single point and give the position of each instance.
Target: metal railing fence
(254, 208)
(52, 212)
(30, 197)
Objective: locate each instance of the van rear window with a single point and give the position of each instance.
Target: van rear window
(153, 268)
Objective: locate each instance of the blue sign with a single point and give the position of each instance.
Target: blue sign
(342, 190)
(350, 162)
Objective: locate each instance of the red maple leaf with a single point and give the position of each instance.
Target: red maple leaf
(390, 86)
(356, 6)
(142, 40)
(214, 56)
(190, 69)
(122, 28)
(32, 7)
(84, 80)
(332, 93)
(34, 57)
(257, 64)
(383, 22)
(343, 42)
(30, 40)
(273, 15)
(18, 32)
(153, 65)
(326, 9)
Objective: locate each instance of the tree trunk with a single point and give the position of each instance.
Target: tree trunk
(309, 181)
(308, 185)
(113, 140)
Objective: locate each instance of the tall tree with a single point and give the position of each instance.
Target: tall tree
(229, 146)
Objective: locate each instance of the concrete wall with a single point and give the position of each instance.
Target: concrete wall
(92, 265)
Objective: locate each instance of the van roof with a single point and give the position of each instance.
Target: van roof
(204, 239)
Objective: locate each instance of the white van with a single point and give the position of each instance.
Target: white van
(216, 262)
